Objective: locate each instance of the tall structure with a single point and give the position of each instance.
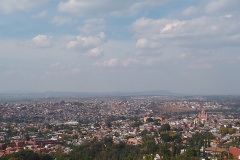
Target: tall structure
(203, 116)
(148, 115)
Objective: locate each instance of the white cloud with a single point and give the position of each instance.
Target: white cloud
(151, 61)
(58, 68)
(61, 20)
(172, 26)
(146, 26)
(95, 52)
(228, 16)
(107, 7)
(9, 73)
(212, 7)
(202, 66)
(107, 63)
(10, 6)
(148, 46)
(184, 41)
(176, 32)
(40, 15)
(92, 26)
(130, 61)
(183, 56)
(42, 41)
(134, 7)
(143, 43)
(221, 5)
(192, 10)
(72, 6)
(86, 41)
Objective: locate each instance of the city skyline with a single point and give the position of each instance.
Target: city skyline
(190, 47)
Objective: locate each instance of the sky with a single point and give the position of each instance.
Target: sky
(187, 46)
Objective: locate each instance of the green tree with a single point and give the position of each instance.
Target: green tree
(191, 152)
(137, 123)
(108, 123)
(165, 137)
(44, 156)
(23, 155)
(149, 120)
(164, 150)
(157, 122)
(165, 127)
(27, 137)
(231, 130)
(13, 158)
(223, 130)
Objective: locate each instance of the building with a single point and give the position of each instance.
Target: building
(203, 116)
(235, 152)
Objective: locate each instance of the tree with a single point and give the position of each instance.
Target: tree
(157, 122)
(27, 137)
(62, 102)
(191, 152)
(149, 157)
(165, 127)
(108, 123)
(137, 123)
(151, 146)
(237, 124)
(231, 130)
(223, 130)
(96, 125)
(130, 158)
(13, 158)
(215, 122)
(23, 155)
(149, 120)
(44, 156)
(165, 137)
(163, 150)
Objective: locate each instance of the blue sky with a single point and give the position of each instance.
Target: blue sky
(190, 47)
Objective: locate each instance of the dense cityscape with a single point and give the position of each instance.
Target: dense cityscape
(129, 128)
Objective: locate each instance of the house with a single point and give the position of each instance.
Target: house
(235, 151)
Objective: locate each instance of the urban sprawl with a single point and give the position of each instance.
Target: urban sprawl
(204, 127)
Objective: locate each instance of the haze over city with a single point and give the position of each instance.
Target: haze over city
(189, 47)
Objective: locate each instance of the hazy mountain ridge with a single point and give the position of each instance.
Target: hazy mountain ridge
(53, 94)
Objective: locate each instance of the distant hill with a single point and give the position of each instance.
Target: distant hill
(51, 94)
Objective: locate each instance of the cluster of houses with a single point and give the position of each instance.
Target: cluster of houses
(53, 121)
(36, 145)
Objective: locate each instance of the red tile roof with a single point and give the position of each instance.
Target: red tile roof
(234, 151)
